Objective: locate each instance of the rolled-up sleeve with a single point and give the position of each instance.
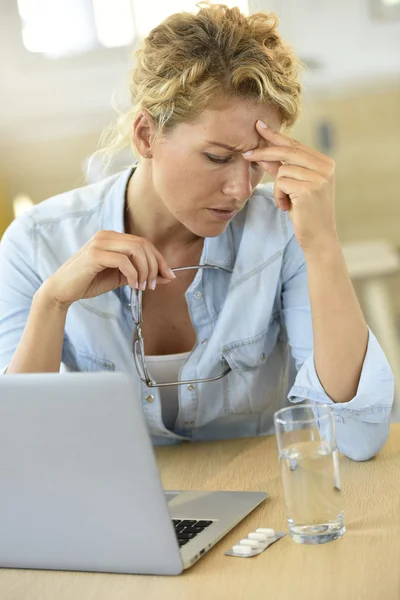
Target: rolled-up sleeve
(362, 424)
(19, 282)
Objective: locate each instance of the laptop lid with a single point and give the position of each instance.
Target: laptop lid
(79, 484)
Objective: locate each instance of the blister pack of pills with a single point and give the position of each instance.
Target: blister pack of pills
(256, 542)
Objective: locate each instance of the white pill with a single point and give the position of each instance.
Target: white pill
(241, 549)
(251, 543)
(261, 537)
(266, 531)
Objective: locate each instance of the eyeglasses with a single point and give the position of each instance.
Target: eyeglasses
(138, 341)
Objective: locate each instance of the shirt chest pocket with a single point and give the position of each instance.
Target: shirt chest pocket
(252, 354)
(249, 383)
(89, 363)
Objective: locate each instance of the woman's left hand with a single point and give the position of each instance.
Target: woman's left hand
(304, 185)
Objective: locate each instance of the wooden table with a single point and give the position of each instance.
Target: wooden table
(363, 565)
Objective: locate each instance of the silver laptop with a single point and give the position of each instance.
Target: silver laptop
(79, 484)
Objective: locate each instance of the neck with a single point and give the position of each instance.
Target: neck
(148, 217)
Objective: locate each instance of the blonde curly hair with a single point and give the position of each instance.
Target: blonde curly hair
(190, 60)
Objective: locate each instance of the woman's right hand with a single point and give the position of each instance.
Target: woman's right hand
(107, 261)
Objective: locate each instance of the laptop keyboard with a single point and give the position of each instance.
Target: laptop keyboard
(187, 529)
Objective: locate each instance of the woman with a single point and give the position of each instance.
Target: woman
(210, 93)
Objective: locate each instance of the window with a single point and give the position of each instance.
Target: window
(59, 28)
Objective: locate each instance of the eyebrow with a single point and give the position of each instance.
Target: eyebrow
(231, 148)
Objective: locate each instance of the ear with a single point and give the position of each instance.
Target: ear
(143, 132)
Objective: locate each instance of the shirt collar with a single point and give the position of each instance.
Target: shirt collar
(219, 250)
(112, 217)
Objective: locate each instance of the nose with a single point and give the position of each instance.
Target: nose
(238, 183)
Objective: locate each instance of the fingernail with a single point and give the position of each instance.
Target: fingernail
(137, 285)
(262, 124)
(143, 286)
(172, 273)
(153, 284)
(248, 153)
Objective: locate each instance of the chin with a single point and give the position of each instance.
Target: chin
(210, 230)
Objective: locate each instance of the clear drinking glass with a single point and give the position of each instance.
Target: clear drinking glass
(309, 461)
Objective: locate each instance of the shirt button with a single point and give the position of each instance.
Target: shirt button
(190, 387)
(197, 295)
(150, 398)
(204, 341)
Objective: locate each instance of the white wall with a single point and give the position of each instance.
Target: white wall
(353, 46)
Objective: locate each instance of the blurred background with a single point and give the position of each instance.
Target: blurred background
(62, 61)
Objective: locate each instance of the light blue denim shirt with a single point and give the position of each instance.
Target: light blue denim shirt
(257, 318)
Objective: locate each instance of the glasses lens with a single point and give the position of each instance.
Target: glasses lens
(138, 356)
(134, 303)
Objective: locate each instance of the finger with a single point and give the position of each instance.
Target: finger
(281, 199)
(298, 173)
(292, 188)
(131, 246)
(152, 265)
(277, 138)
(117, 242)
(292, 155)
(103, 259)
(271, 167)
(285, 204)
(139, 261)
(163, 268)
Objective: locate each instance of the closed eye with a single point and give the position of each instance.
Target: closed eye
(223, 161)
(218, 159)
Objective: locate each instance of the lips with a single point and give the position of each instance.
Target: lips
(223, 214)
(226, 209)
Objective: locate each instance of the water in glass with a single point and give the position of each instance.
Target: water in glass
(310, 475)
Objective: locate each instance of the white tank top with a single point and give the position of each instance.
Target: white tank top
(166, 369)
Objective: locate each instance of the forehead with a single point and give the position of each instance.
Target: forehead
(239, 113)
(231, 122)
